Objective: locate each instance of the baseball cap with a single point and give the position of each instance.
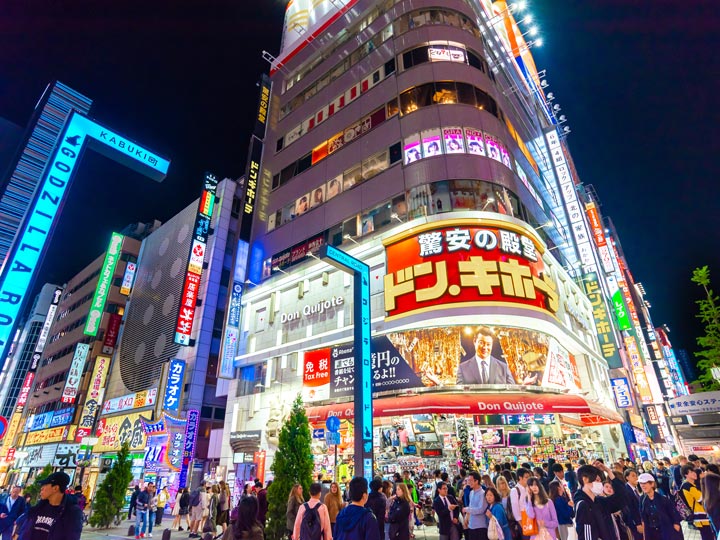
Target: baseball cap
(59, 479)
(644, 478)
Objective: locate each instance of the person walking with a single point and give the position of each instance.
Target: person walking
(660, 519)
(313, 505)
(334, 503)
(377, 502)
(133, 501)
(12, 506)
(56, 516)
(198, 505)
(295, 500)
(690, 493)
(142, 503)
(152, 507)
(163, 499)
(592, 508)
(631, 511)
(448, 512)
(263, 503)
(563, 509)
(223, 514)
(477, 522)
(711, 500)
(181, 509)
(497, 510)
(399, 514)
(355, 522)
(542, 509)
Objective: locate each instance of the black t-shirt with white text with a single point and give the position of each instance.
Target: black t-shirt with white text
(44, 521)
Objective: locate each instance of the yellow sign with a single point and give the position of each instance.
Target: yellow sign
(9, 439)
(113, 431)
(56, 434)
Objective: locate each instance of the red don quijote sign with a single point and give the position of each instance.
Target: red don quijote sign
(456, 264)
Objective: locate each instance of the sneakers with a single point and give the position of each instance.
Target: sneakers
(180, 529)
(149, 535)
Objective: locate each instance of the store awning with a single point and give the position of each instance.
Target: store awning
(475, 403)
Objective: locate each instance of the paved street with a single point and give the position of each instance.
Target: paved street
(116, 533)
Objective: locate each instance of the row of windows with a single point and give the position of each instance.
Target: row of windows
(71, 348)
(252, 378)
(428, 199)
(83, 282)
(436, 93)
(353, 176)
(343, 36)
(427, 53)
(338, 70)
(406, 22)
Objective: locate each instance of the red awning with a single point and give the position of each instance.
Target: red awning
(470, 403)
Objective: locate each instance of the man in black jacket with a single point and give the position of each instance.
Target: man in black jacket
(56, 516)
(447, 510)
(631, 512)
(377, 502)
(593, 511)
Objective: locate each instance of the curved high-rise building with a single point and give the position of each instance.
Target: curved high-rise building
(416, 136)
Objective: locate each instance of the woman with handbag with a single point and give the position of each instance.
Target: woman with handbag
(542, 510)
(295, 500)
(563, 509)
(400, 513)
(498, 525)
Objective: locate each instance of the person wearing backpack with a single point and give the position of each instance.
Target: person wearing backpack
(196, 509)
(313, 521)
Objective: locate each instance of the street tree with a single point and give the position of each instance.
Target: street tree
(708, 356)
(110, 496)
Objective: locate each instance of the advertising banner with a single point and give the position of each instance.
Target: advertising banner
(191, 428)
(45, 436)
(458, 265)
(40, 345)
(40, 456)
(72, 383)
(94, 397)
(638, 369)
(66, 455)
(701, 403)
(25, 390)
(621, 391)
(111, 334)
(175, 382)
(103, 286)
(316, 375)
(603, 324)
(138, 400)
(113, 431)
(446, 356)
(128, 278)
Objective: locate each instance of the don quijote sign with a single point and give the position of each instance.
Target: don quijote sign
(312, 310)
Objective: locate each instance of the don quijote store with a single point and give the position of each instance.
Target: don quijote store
(473, 322)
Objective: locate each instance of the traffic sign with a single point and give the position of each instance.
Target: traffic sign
(332, 424)
(318, 433)
(332, 438)
(3, 426)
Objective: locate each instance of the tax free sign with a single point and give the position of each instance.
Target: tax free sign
(30, 245)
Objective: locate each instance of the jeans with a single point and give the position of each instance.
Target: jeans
(151, 520)
(140, 518)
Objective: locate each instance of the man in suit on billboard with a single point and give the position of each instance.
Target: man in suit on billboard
(482, 368)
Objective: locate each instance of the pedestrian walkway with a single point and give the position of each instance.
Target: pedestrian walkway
(120, 533)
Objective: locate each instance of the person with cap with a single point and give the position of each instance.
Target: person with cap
(56, 516)
(660, 519)
(12, 506)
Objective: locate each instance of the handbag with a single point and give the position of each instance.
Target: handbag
(528, 524)
(495, 531)
(209, 527)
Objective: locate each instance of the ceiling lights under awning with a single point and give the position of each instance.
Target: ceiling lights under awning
(475, 403)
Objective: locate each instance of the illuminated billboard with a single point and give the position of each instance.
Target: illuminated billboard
(196, 259)
(40, 345)
(94, 397)
(445, 356)
(105, 279)
(72, 383)
(459, 263)
(128, 278)
(24, 259)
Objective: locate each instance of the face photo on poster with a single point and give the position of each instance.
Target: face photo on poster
(492, 146)
(453, 139)
(431, 144)
(412, 152)
(475, 142)
(317, 196)
(302, 205)
(334, 187)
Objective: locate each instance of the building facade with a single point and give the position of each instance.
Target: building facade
(418, 139)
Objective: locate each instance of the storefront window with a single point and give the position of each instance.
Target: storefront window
(252, 380)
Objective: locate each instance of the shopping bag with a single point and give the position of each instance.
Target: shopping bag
(528, 524)
(495, 531)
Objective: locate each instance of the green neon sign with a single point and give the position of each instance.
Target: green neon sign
(103, 286)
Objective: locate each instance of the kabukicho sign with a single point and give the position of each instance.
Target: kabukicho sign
(458, 264)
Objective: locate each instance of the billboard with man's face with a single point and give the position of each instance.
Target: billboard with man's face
(447, 356)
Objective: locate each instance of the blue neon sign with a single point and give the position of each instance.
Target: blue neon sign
(30, 246)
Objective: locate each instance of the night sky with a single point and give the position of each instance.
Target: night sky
(638, 81)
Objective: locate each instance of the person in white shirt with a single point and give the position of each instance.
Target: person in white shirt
(519, 496)
(483, 368)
